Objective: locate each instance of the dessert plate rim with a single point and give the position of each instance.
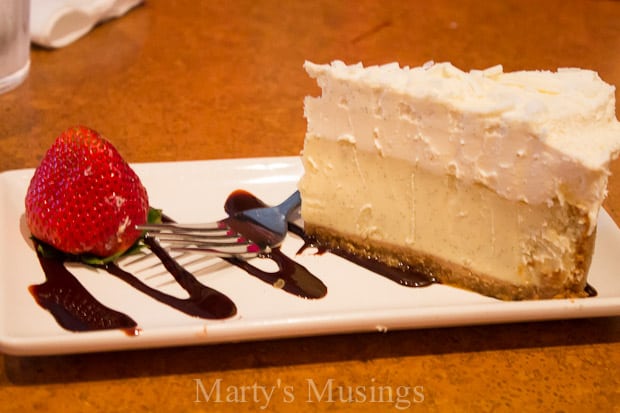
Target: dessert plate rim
(357, 300)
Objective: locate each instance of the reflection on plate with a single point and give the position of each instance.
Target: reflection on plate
(357, 300)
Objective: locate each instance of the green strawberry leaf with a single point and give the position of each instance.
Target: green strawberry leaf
(154, 216)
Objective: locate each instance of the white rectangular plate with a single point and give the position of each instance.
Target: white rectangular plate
(357, 300)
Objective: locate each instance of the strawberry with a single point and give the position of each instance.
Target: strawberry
(84, 199)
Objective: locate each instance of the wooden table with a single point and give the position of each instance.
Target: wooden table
(185, 79)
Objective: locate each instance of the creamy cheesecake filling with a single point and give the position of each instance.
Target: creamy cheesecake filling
(418, 218)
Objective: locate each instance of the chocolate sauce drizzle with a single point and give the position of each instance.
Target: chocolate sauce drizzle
(241, 200)
(407, 276)
(291, 276)
(403, 275)
(203, 301)
(75, 309)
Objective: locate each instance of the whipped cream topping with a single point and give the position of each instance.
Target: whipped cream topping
(531, 136)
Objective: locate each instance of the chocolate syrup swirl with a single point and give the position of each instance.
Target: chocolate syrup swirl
(403, 275)
(73, 307)
(291, 276)
(241, 200)
(203, 301)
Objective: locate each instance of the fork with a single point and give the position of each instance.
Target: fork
(245, 234)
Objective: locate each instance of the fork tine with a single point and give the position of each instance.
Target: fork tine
(215, 252)
(230, 245)
(186, 238)
(211, 239)
(207, 235)
(207, 227)
(201, 234)
(230, 248)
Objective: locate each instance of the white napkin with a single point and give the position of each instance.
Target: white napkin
(57, 23)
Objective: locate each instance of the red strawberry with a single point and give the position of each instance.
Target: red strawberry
(84, 198)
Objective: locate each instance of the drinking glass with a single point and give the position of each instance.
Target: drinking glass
(14, 43)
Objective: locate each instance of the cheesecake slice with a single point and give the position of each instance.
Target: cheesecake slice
(484, 180)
